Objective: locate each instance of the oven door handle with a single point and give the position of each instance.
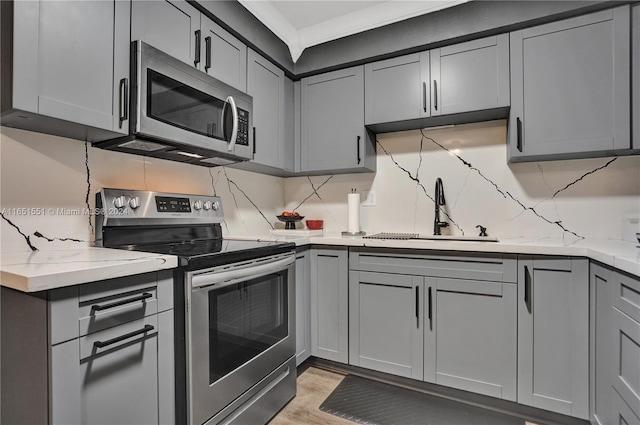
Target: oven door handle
(233, 276)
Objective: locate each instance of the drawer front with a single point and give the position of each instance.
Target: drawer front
(475, 266)
(626, 377)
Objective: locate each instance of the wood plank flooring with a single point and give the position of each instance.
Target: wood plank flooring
(314, 386)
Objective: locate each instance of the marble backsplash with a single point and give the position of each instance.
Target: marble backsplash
(48, 185)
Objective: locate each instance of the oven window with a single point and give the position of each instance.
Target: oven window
(245, 320)
(182, 106)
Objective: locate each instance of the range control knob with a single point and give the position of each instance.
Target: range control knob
(134, 203)
(206, 205)
(215, 206)
(120, 202)
(197, 205)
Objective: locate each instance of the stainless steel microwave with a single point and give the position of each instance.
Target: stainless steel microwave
(182, 114)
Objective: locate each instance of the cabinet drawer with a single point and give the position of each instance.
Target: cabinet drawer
(626, 377)
(475, 266)
(84, 309)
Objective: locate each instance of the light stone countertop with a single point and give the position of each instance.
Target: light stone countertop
(29, 271)
(622, 255)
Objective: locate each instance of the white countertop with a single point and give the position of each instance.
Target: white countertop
(622, 255)
(49, 269)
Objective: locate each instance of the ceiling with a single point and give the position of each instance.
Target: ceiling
(304, 23)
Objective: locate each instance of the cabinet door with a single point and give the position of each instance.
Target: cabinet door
(470, 336)
(635, 73)
(385, 323)
(68, 72)
(570, 87)
(170, 26)
(265, 82)
(622, 414)
(601, 344)
(224, 56)
(333, 136)
(553, 334)
(303, 307)
(116, 384)
(329, 304)
(397, 89)
(470, 76)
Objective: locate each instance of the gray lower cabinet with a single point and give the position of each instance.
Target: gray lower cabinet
(601, 340)
(470, 76)
(98, 353)
(622, 413)
(471, 335)
(66, 67)
(332, 133)
(397, 89)
(303, 306)
(329, 303)
(570, 88)
(553, 334)
(385, 323)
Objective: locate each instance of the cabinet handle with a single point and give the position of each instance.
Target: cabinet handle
(196, 61)
(417, 306)
(102, 344)
(98, 307)
(519, 134)
(430, 314)
(124, 100)
(527, 287)
(254, 140)
(207, 60)
(435, 95)
(358, 149)
(424, 96)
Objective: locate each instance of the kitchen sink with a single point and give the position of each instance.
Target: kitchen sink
(418, 237)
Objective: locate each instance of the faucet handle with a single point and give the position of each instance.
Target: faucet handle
(483, 230)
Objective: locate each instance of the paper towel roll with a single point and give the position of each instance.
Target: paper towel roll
(353, 201)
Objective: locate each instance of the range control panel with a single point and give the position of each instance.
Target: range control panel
(146, 207)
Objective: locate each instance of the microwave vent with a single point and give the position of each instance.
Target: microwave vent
(143, 145)
(218, 161)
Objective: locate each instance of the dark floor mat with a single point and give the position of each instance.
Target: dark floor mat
(375, 403)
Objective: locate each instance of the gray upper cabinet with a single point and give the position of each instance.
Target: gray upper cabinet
(266, 83)
(471, 335)
(385, 323)
(635, 73)
(332, 133)
(470, 76)
(570, 88)
(397, 89)
(169, 26)
(70, 67)
(224, 56)
(329, 303)
(553, 334)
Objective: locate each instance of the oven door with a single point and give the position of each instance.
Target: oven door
(176, 102)
(240, 327)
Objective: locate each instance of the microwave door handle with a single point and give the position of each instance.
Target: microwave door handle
(234, 132)
(230, 277)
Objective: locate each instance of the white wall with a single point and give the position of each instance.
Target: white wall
(501, 200)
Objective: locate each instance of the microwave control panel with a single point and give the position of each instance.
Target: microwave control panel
(243, 128)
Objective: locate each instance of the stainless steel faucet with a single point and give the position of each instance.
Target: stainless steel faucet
(439, 200)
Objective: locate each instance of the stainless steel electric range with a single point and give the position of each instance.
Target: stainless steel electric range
(234, 304)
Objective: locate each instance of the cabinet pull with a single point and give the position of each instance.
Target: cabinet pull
(254, 140)
(358, 149)
(527, 287)
(519, 134)
(435, 95)
(98, 307)
(123, 106)
(424, 96)
(196, 61)
(207, 59)
(430, 314)
(102, 344)
(417, 306)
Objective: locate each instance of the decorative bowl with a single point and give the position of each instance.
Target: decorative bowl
(314, 224)
(290, 220)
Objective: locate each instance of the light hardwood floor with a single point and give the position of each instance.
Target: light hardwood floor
(314, 386)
